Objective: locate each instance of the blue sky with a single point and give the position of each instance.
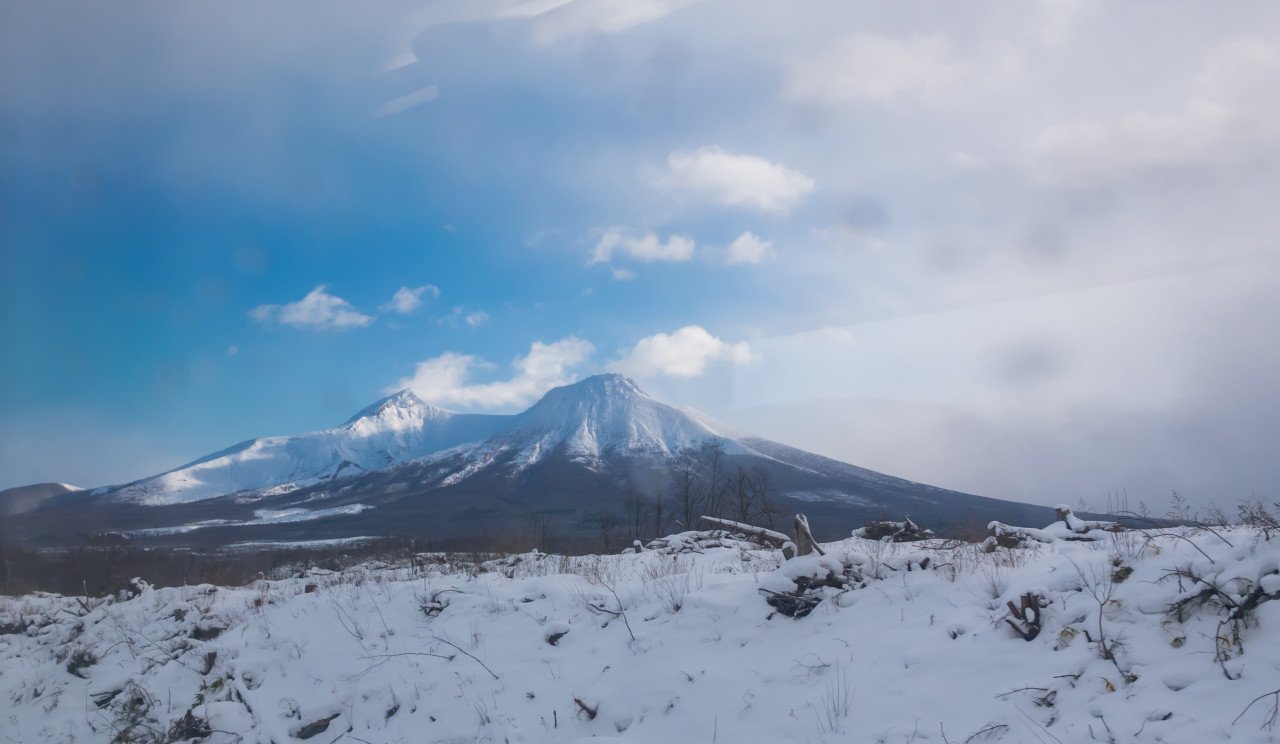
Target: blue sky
(1026, 254)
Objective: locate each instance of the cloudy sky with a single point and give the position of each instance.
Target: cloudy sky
(1024, 250)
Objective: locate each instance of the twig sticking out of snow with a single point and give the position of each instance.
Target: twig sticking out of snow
(1270, 720)
(464, 652)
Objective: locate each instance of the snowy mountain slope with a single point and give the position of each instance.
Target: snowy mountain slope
(25, 498)
(393, 430)
(658, 647)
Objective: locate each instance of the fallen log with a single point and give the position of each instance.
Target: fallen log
(772, 538)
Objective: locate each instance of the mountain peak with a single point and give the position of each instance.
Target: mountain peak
(608, 384)
(401, 404)
(605, 413)
(404, 397)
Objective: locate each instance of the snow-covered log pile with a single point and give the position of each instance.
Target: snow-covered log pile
(726, 534)
(1144, 636)
(802, 583)
(699, 541)
(508, 565)
(904, 531)
(1067, 527)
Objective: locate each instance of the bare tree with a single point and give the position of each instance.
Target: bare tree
(658, 512)
(688, 491)
(608, 524)
(760, 481)
(712, 456)
(636, 510)
(746, 494)
(741, 504)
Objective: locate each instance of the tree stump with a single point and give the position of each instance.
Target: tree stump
(805, 544)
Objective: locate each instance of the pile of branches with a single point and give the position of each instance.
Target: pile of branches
(904, 531)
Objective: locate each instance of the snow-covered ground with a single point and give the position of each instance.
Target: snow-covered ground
(260, 517)
(661, 647)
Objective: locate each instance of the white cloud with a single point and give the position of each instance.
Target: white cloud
(407, 101)
(749, 248)
(547, 22)
(233, 350)
(408, 299)
(647, 247)
(623, 275)
(1090, 150)
(445, 380)
(318, 311)
(554, 21)
(459, 316)
(686, 353)
(877, 67)
(735, 180)
(1228, 118)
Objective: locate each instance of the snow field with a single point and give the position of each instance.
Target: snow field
(655, 647)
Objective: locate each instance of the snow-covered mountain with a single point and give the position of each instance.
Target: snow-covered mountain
(609, 414)
(600, 416)
(591, 422)
(401, 466)
(25, 498)
(393, 430)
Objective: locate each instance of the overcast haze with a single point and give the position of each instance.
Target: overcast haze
(1023, 250)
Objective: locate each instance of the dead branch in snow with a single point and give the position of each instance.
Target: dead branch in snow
(1270, 720)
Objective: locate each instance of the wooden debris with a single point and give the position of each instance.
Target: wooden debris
(1025, 616)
